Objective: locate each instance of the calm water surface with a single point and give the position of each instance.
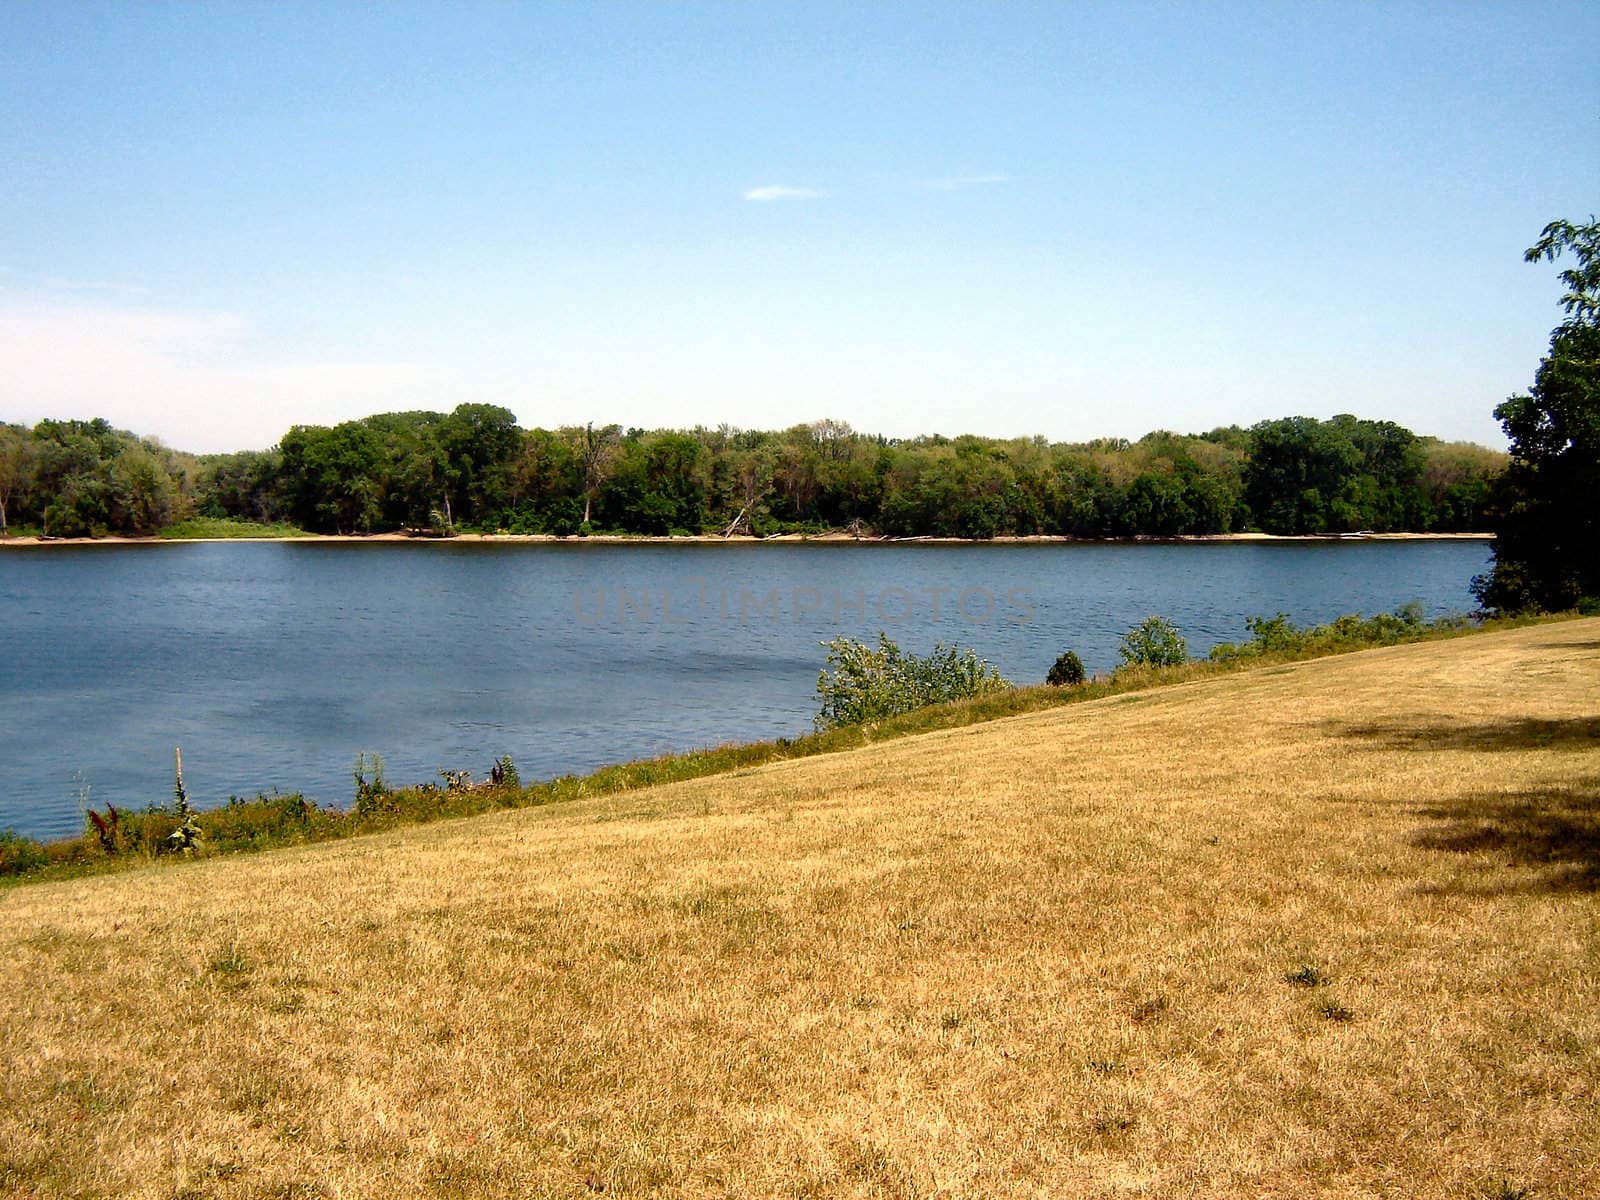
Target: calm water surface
(274, 664)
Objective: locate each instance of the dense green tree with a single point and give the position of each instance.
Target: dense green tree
(658, 486)
(1547, 504)
(1308, 476)
(17, 460)
(481, 443)
(246, 486)
(335, 476)
(142, 496)
(88, 479)
(548, 491)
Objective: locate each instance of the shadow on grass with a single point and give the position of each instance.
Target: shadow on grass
(1556, 829)
(1524, 733)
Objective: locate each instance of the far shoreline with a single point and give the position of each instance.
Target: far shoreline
(784, 539)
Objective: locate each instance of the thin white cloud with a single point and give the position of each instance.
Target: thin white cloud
(777, 191)
(955, 183)
(57, 284)
(181, 377)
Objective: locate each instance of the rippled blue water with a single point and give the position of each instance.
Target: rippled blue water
(273, 664)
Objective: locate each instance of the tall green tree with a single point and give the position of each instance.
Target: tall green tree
(1547, 504)
(335, 477)
(17, 457)
(481, 444)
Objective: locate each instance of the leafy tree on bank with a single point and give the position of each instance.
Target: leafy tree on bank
(245, 486)
(334, 477)
(86, 479)
(658, 487)
(16, 467)
(548, 492)
(481, 443)
(1547, 503)
(1336, 476)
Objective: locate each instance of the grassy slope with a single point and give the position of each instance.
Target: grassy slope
(1041, 956)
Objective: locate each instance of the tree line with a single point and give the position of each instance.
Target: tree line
(476, 469)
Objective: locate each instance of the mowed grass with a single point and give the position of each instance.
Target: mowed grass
(1329, 929)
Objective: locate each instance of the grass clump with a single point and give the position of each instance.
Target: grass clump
(1332, 1010)
(227, 527)
(1307, 976)
(19, 855)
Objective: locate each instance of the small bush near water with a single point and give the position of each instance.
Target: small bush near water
(1156, 643)
(861, 684)
(1067, 671)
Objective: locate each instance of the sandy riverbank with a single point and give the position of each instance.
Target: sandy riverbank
(777, 539)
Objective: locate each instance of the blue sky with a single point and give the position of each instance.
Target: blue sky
(1069, 220)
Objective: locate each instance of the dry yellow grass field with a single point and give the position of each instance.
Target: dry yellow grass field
(1323, 930)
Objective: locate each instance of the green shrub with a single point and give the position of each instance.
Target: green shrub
(1280, 635)
(862, 684)
(1067, 671)
(19, 854)
(1156, 643)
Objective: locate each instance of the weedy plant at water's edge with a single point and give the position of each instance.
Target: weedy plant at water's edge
(187, 835)
(861, 684)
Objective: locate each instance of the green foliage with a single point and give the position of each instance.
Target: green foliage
(861, 684)
(185, 837)
(504, 773)
(1154, 643)
(18, 461)
(474, 469)
(1067, 671)
(372, 794)
(1547, 504)
(84, 478)
(227, 527)
(1278, 636)
(19, 855)
(1342, 475)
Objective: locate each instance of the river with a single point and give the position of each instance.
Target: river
(273, 664)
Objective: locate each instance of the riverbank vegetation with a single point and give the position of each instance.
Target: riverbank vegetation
(866, 695)
(1323, 929)
(474, 469)
(1545, 508)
